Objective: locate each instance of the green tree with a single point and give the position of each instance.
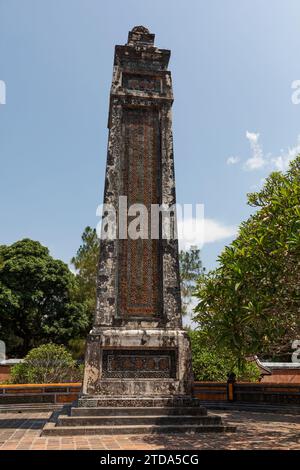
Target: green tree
(190, 265)
(211, 363)
(251, 303)
(37, 298)
(86, 263)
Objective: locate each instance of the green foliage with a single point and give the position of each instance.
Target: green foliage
(37, 299)
(213, 364)
(49, 363)
(190, 265)
(86, 263)
(251, 303)
(76, 347)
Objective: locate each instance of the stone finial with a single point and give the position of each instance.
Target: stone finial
(140, 36)
(140, 29)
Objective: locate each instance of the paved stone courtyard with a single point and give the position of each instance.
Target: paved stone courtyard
(21, 431)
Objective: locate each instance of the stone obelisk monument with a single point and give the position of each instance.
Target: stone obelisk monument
(137, 347)
(138, 364)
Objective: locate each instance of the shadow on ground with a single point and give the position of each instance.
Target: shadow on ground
(15, 423)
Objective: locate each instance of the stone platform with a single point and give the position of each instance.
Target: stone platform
(264, 431)
(137, 360)
(119, 415)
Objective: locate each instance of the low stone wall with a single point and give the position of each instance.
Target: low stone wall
(214, 391)
(39, 393)
(277, 394)
(5, 372)
(272, 393)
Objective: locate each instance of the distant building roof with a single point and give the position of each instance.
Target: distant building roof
(281, 365)
(8, 362)
(268, 367)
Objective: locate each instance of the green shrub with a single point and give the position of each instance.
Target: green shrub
(48, 363)
(213, 364)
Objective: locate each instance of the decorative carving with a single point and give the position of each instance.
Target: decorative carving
(141, 83)
(139, 364)
(139, 260)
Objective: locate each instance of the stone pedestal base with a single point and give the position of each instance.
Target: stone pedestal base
(128, 363)
(140, 417)
(136, 382)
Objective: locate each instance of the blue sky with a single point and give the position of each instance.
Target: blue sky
(232, 64)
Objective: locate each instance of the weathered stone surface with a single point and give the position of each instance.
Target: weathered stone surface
(154, 343)
(137, 331)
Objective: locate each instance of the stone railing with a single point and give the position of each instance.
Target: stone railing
(249, 392)
(207, 391)
(39, 393)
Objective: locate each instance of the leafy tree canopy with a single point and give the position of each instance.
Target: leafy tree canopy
(86, 263)
(251, 303)
(37, 298)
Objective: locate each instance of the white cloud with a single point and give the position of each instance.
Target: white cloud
(202, 232)
(252, 136)
(232, 160)
(257, 159)
(215, 231)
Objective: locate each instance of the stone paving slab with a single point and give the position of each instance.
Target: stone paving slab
(21, 431)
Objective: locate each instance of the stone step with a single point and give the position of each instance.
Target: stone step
(137, 420)
(51, 429)
(29, 408)
(137, 402)
(139, 411)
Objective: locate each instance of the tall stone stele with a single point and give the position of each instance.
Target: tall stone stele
(137, 347)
